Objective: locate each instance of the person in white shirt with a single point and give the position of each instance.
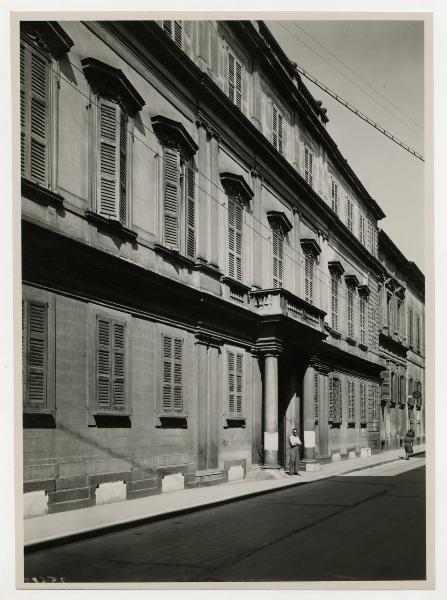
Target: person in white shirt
(294, 455)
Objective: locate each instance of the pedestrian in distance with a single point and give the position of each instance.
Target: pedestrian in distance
(408, 444)
(294, 453)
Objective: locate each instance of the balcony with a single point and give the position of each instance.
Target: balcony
(277, 301)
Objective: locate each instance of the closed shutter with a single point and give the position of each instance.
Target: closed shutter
(337, 401)
(167, 27)
(350, 303)
(235, 383)
(362, 229)
(119, 367)
(278, 243)
(172, 375)
(331, 400)
(350, 215)
(109, 159)
(317, 395)
(334, 195)
(274, 127)
(23, 112)
(187, 38)
(36, 354)
(103, 364)
(308, 276)
(214, 46)
(178, 33)
(334, 301)
(362, 320)
(238, 84)
(171, 197)
(191, 211)
(308, 166)
(280, 134)
(235, 219)
(351, 402)
(386, 385)
(363, 416)
(231, 77)
(123, 168)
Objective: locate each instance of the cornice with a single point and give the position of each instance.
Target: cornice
(49, 35)
(280, 220)
(235, 185)
(174, 135)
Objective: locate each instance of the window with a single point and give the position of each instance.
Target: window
(362, 228)
(350, 214)
(418, 334)
(308, 165)
(317, 395)
(174, 29)
(172, 375)
(34, 114)
(113, 154)
(278, 248)
(111, 366)
(389, 312)
(334, 300)
(351, 402)
(334, 194)
(179, 200)
(402, 391)
(277, 130)
(235, 379)
(350, 309)
(235, 238)
(35, 356)
(309, 276)
(363, 416)
(410, 327)
(335, 401)
(363, 314)
(235, 77)
(374, 403)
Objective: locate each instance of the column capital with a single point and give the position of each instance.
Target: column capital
(269, 347)
(206, 338)
(256, 173)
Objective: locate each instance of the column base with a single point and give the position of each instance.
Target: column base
(310, 464)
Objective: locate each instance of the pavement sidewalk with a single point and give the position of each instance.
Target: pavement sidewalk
(67, 526)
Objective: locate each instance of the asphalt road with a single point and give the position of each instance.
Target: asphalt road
(366, 526)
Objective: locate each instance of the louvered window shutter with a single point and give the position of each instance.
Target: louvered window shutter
(187, 38)
(103, 364)
(351, 402)
(109, 159)
(334, 301)
(190, 208)
(362, 229)
(231, 77)
(350, 215)
(172, 397)
(244, 91)
(280, 134)
(36, 314)
(167, 27)
(308, 276)
(331, 400)
(278, 242)
(238, 84)
(167, 352)
(334, 195)
(34, 121)
(362, 320)
(317, 395)
(386, 385)
(177, 376)
(231, 383)
(119, 367)
(336, 392)
(363, 417)
(214, 46)
(274, 127)
(235, 219)
(123, 168)
(172, 198)
(350, 304)
(308, 166)
(239, 382)
(235, 383)
(178, 33)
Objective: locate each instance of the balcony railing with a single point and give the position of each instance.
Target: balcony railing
(277, 301)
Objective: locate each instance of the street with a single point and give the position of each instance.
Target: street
(369, 525)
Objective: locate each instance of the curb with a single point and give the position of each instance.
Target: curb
(69, 538)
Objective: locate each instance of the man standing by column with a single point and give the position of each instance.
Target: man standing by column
(294, 456)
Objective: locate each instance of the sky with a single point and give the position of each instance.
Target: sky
(378, 66)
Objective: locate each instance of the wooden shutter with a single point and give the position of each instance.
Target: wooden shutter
(386, 385)
(337, 402)
(334, 301)
(214, 47)
(103, 363)
(123, 168)
(278, 243)
(235, 240)
(238, 84)
(280, 134)
(231, 77)
(331, 400)
(274, 127)
(167, 27)
(190, 210)
(362, 228)
(36, 354)
(172, 375)
(178, 33)
(363, 416)
(235, 383)
(308, 166)
(351, 402)
(119, 367)
(350, 303)
(308, 276)
(362, 320)
(334, 195)
(317, 395)
(187, 37)
(350, 214)
(23, 111)
(172, 197)
(109, 159)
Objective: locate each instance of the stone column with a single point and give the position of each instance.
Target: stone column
(270, 398)
(309, 459)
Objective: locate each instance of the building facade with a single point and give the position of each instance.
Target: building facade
(201, 266)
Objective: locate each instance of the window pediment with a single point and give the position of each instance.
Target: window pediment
(364, 290)
(49, 35)
(335, 267)
(111, 83)
(352, 280)
(311, 245)
(235, 185)
(174, 135)
(279, 220)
